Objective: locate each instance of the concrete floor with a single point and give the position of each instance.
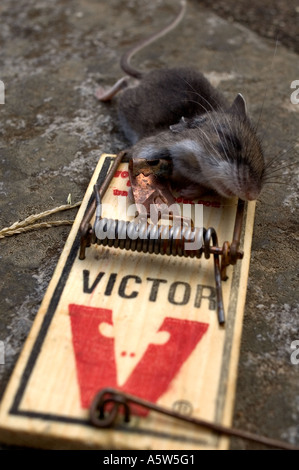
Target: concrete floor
(53, 56)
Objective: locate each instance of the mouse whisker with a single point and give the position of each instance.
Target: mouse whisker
(192, 90)
(274, 170)
(281, 154)
(210, 117)
(274, 182)
(213, 108)
(209, 142)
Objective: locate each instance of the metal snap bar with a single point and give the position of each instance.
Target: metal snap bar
(103, 415)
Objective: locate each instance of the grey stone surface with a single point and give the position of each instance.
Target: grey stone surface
(53, 56)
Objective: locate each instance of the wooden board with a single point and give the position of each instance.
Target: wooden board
(142, 323)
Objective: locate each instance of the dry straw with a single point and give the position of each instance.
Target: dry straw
(31, 222)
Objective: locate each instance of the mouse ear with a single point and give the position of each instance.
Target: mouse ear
(239, 106)
(180, 126)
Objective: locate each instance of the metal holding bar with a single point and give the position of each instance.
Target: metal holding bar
(103, 415)
(85, 227)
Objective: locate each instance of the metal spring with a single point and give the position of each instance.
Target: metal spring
(159, 239)
(156, 239)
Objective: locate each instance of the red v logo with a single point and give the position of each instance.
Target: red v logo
(98, 356)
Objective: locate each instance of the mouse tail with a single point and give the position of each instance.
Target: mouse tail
(125, 61)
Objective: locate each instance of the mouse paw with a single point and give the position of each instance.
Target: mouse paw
(106, 94)
(103, 93)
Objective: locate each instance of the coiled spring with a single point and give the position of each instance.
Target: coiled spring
(176, 240)
(143, 237)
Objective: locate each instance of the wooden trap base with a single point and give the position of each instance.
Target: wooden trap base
(142, 323)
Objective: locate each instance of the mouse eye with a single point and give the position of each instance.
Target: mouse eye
(198, 121)
(203, 119)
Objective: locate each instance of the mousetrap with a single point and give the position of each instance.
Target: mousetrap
(136, 342)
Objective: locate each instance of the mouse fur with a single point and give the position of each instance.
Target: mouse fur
(178, 114)
(162, 97)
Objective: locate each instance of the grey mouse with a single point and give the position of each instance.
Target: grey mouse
(177, 114)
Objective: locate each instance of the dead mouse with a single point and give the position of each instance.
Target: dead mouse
(177, 114)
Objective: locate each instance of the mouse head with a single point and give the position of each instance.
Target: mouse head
(230, 155)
